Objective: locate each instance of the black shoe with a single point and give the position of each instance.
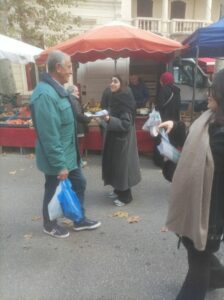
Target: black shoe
(216, 274)
(216, 279)
(57, 232)
(86, 224)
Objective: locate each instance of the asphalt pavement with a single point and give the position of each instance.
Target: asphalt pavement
(127, 258)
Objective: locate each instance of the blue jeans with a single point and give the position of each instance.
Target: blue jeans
(78, 182)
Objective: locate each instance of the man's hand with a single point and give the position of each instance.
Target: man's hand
(62, 175)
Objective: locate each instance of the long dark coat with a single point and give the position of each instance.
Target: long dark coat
(216, 220)
(120, 165)
(82, 120)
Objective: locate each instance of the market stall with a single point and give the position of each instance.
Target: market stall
(15, 121)
(94, 137)
(17, 137)
(25, 137)
(112, 40)
(16, 130)
(117, 40)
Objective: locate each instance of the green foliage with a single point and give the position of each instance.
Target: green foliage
(42, 23)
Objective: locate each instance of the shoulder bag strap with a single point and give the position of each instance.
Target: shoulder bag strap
(168, 101)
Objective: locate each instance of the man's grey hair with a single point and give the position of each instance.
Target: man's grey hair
(56, 57)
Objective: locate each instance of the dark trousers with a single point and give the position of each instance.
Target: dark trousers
(81, 141)
(78, 182)
(124, 196)
(205, 271)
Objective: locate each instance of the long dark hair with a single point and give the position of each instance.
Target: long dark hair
(217, 90)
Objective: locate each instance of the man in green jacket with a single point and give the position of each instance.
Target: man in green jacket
(57, 152)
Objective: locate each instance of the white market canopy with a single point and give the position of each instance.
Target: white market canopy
(17, 51)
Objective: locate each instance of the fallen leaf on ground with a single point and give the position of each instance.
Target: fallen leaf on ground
(36, 218)
(134, 219)
(120, 214)
(28, 236)
(26, 247)
(164, 229)
(12, 172)
(31, 156)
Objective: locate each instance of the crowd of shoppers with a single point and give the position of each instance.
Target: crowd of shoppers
(196, 207)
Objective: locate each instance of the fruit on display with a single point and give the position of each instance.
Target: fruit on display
(6, 114)
(18, 117)
(92, 106)
(19, 122)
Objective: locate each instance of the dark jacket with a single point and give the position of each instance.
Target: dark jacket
(106, 98)
(168, 102)
(82, 120)
(140, 92)
(216, 221)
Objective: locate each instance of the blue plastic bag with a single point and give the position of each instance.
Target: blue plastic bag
(152, 123)
(70, 203)
(166, 149)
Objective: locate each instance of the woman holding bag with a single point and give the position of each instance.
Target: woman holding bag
(168, 104)
(196, 208)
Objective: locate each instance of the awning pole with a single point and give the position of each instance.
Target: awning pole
(115, 65)
(194, 83)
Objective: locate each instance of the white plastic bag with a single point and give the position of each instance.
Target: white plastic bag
(151, 125)
(167, 150)
(54, 206)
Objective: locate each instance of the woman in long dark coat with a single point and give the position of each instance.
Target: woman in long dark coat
(168, 104)
(196, 208)
(120, 164)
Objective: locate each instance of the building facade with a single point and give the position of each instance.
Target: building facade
(172, 18)
(175, 19)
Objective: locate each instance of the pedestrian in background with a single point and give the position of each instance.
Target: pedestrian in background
(106, 98)
(120, 163)
(168, 104)
(82, 120)
(139, 90)
(196, 208)
(57, 153)
(168, 99)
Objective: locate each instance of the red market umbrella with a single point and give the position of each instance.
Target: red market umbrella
(116, 40)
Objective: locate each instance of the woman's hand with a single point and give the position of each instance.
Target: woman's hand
(168, 125)
(106, 118)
